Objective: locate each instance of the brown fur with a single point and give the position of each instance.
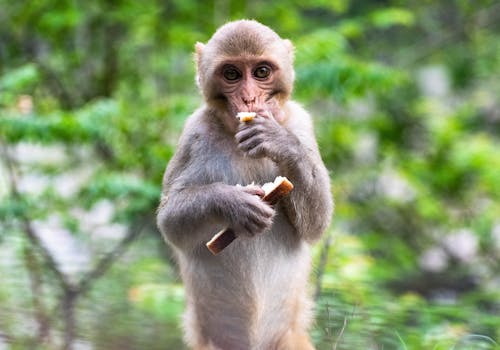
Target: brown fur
(253, 295)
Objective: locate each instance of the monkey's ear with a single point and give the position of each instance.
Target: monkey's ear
(198, 47)
(289, 46)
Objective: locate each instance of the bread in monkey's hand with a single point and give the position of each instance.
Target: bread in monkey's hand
(246, 116)
(273, 192)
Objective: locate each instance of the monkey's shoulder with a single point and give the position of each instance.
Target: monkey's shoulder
(298, 116)
(299, 123)
(199, 131)
(203, 140)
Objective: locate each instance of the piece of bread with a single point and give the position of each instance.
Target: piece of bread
(246, 116)
(221, 240)
(274, 191)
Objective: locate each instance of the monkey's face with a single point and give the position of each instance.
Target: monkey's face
(249, 84)
(246, 67)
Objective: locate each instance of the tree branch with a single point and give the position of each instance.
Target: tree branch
(71, 291)
(105, 262)
(323, 259)
(26, 222)
(40, 312)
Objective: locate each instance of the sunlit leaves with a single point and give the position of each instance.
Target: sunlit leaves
(19, 78)
(326, 68)
(85, 125)
(130, 194)
(389, 17)
(344, 78)
(160, 300)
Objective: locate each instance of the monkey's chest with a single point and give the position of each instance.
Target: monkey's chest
(239, 169)
(259, 171)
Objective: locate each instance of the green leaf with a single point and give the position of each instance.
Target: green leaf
(19, 78)
(389, 17)
(164, 301)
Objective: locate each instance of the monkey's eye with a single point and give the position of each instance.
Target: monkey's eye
(262, 72)
(231, 73)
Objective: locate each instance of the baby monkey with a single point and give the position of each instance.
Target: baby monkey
(253, 295)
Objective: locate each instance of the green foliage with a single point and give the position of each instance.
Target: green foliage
(15, 208)
(131, 195)
(19, 79)
(390, 17)
(82, 126)
(163, 301)
(325, 68)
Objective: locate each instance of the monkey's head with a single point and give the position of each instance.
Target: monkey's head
(245, 67)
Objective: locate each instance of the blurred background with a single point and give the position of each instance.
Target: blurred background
(406, 101)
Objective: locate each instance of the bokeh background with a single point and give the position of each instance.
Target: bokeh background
(406, 101)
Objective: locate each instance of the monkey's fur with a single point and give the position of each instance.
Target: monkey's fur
(253, 295)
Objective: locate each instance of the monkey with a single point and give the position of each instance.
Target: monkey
(254, 294)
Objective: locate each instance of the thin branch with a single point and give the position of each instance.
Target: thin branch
(64, 96)
(40, 312)
(341, 333)
(323, 260)
(11, 171)
(26, 222)
(49, 259)
(107, 261)
(70, 290)
(68, 303)
(342, 330)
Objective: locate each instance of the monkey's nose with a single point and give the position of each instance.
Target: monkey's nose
(248, 101)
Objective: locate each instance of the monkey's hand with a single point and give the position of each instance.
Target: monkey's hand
(248, 214)
(263, 136)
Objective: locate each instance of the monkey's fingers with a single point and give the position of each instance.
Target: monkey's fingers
(246, 131)
(254, 189)
(259, 222)
(274, 192)
(250, 144)
(223, 238)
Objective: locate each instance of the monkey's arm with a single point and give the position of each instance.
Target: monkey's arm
(293, 147)
(194, 206)
(189, 216)
(310, 205)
